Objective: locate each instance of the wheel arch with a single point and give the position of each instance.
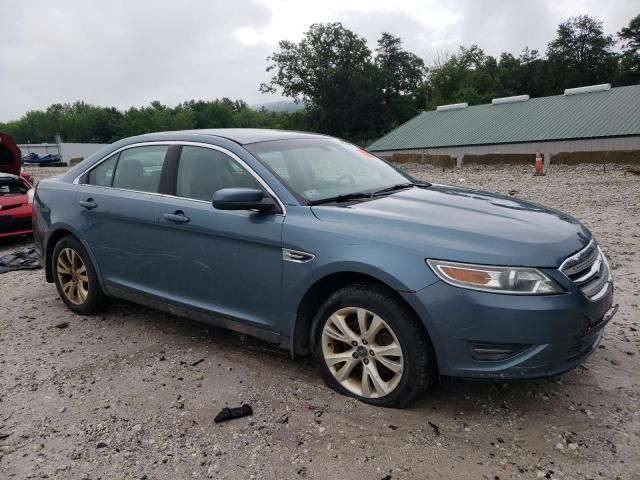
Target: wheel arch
(54, 237)
(318, 292)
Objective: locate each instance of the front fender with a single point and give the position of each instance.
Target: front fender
(341, 250)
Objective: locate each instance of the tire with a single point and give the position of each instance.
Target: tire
(78, 287)
(394, 377)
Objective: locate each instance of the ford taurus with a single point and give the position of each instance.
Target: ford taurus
(314, 244)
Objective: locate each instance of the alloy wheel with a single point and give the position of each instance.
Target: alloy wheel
(362, 352)
(72, 276)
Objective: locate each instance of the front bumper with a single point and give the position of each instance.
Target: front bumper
(550, 335)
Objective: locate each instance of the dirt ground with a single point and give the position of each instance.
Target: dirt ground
(132, 394)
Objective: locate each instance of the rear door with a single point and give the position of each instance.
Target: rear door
(119, 203)
(222, 262)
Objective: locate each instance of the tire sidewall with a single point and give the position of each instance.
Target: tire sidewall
(398, 318)
(95, 297)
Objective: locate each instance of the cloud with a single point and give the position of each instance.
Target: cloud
(128, 53)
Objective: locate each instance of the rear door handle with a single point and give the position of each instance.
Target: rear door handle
(88, 203)
(177, 217)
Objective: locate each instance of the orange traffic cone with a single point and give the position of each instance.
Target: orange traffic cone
(539, 167)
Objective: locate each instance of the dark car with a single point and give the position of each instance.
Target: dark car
(314, 244)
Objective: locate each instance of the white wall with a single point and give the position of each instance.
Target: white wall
(547, 148)
(67, 151)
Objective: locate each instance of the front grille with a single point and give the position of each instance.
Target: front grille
(589, 270)
(8, 224)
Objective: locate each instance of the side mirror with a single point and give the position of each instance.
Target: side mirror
(243, 199)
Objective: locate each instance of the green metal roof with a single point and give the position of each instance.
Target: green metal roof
(611, 113)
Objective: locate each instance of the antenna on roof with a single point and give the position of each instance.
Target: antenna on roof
(453, 106)
(588, 89)
(516, 98)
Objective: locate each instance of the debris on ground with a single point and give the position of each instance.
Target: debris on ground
(230, 413)
(436, 428)
(25, 259)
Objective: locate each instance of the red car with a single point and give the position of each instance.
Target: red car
(16, 192)
(11, 158)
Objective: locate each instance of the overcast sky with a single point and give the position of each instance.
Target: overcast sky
(129, 52)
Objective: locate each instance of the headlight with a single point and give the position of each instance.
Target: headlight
(30, 194)
(511, 280)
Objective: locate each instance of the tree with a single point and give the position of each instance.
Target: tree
(330, 70)
(630, 35)
(469, 76)
(402, 76)
(630, 59)
(581, 54)
(81, 122)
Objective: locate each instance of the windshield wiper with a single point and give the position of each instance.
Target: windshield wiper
(400, 186)
(341, 198)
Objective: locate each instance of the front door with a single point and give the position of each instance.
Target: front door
(221, 262)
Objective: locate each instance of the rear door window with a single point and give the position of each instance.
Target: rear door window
(139, 168)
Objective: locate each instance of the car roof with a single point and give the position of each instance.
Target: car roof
(243, 136)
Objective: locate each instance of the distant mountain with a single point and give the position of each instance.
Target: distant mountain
(279, 106)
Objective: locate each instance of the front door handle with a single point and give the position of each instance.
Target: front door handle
(88, 203)
(177, 217)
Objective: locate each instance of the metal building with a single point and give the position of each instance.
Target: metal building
(597, 118)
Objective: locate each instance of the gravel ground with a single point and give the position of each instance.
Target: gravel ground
(122, 395)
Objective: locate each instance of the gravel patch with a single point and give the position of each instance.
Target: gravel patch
(133, 393)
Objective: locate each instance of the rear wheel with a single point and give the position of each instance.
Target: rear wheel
(370, 346)
(76, 279)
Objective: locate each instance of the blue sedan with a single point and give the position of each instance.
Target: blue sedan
(314, 244)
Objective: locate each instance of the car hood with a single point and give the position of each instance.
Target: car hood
(464, 225)
(11, 201)
(10, 158)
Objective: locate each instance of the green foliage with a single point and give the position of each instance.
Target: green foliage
(630, 36)
(582, 54)
(347, 91)
(80, 122)
(330, 70)
(630, 59)
(402, 79)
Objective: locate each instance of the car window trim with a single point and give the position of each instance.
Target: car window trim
(182, 143)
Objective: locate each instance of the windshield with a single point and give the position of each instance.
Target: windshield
(317, 169)
(12, 186)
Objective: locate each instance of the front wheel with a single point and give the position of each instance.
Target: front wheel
(370, 346)
(76, 279)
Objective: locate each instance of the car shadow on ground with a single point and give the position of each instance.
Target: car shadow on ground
(472, 396)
